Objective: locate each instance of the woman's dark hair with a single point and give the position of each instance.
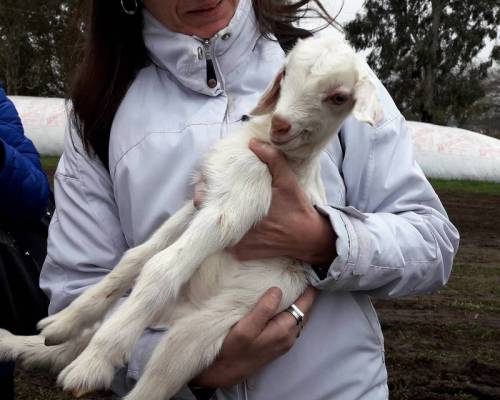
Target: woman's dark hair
(114, 51)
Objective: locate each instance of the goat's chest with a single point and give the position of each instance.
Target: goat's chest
(222, 273)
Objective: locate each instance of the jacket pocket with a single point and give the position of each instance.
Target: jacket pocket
(366, 306)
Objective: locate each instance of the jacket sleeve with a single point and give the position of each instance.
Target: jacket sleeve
(394, 237)
(85, 242)
(23, 183)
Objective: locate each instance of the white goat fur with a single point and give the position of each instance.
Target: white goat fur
(183, 276)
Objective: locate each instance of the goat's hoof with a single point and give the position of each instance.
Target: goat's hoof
(43, 323)
(78, 393)
(88, 373)
(49, 341)
(58, 329)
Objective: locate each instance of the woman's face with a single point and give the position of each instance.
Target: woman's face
(202, 18)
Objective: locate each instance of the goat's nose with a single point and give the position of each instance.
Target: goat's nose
(279, 125)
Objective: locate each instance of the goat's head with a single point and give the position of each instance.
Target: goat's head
(323, 81)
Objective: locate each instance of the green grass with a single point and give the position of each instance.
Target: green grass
(49, 162)
(466, 186)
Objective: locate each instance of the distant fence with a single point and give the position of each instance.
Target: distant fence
(442, 152)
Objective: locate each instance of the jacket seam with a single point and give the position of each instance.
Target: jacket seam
(370, 167)
(349, 247)
(155, 132)
(91, 208)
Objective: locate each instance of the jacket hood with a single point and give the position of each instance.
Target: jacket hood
(184, 56)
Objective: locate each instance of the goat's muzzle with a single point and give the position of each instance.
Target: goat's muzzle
(279, 126)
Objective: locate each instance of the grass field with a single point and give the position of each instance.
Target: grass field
(438, 347)
(466, 186)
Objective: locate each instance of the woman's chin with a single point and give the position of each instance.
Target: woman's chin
(206, 23)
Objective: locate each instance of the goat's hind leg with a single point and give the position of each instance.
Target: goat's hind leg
(191, 345)
(93, 304)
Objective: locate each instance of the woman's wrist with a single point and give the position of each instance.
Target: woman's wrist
(316, 239)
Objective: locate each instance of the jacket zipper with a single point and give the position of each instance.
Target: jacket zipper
(211, 75)
(212, 80)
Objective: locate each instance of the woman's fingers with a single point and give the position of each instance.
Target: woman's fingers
(252, 325)
(256, 340)
(276, 162)
(306, 301)
(283, 328)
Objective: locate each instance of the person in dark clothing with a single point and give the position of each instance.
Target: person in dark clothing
(24, 190)
(23, 183)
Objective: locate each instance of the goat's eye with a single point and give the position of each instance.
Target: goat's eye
(338, 99)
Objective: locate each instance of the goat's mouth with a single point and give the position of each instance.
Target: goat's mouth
(281, 142)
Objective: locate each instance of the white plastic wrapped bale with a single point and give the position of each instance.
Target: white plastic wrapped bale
(453, 153)
(44, 121)
(442, 152)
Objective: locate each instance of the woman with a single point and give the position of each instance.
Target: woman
(24, 192)
(157, 87)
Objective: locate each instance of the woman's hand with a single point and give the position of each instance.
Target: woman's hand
(256, 340)
(292, 228)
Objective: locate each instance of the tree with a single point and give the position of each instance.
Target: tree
(35, 46)
(495, 53)
(425, 52)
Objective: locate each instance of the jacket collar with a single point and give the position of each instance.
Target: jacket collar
(184, 56)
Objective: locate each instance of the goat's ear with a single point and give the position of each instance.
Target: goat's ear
(267, 102)
(367, 107)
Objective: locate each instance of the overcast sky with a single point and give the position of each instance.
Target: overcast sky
(348, 11)
(352, 6)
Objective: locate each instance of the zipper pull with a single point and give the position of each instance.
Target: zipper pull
(211, 76)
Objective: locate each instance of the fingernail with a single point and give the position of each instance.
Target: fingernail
(276, 293)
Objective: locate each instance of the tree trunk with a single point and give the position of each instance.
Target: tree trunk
(432, 64)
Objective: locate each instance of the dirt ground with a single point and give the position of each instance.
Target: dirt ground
(438, 347)
(447, 345)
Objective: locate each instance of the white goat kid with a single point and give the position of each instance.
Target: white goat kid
(183, 276)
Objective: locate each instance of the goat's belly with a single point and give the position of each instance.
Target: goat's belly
(221, 274)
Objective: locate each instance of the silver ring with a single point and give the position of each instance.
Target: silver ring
(297, 313)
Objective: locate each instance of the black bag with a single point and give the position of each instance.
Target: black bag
(22, 252)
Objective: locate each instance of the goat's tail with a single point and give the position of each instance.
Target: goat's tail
(32, 352)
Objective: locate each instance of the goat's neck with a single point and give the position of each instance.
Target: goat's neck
(306, 168)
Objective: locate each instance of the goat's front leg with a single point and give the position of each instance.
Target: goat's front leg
(214, 227)
(93, 304)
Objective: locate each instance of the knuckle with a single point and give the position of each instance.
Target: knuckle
(287, 342)
(290, 340)
(241, 335)
(283, 334)
(267, 308)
